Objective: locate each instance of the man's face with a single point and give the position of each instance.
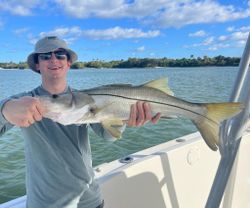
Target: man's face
(53, 65)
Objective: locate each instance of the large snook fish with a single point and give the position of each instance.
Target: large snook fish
(110, 105)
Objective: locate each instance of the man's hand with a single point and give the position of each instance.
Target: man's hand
(24, 111)
(141, 113)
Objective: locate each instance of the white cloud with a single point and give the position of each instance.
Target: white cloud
(90, 8)
(194, 12)
(237, 38)
(19, 7)
(73, 33)
(240, 43)
(208, 41)
(63, 32)
(68, 34)
(218, 46)
(120, 33)
(212, 48)
(222, 38)
(161, 13)
(140, 49)
(21, 30)
(200, 33)
(239, 35)
(244, 28)
(230, 29)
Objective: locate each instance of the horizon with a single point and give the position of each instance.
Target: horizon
(117, 29)
(149, 58)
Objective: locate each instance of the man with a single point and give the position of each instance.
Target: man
(59, 165)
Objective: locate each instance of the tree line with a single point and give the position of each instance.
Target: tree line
(144, 62)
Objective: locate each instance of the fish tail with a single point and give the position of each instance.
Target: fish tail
(209, 125)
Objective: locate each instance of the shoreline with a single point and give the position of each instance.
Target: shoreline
(87, 68)
(144, 63)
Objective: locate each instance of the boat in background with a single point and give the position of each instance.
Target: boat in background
(178, 173)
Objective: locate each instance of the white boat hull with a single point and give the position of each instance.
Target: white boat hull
(174, 174)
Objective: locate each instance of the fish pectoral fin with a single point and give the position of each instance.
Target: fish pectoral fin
(114, 127)
(160, 84)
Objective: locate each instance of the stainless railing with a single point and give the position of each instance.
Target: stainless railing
(231, 133)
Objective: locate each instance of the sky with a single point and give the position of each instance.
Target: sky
(121, 29)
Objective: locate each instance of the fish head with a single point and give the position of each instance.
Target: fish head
(55, 103)
(68, 108)
(67, 101)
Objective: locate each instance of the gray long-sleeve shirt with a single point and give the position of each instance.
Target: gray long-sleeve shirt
(59, 163)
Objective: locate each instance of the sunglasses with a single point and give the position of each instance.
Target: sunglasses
(60, 55)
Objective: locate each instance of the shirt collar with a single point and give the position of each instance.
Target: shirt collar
(42, 91)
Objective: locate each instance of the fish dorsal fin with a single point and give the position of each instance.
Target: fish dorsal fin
(160, 84)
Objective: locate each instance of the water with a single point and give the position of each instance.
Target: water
(208, 84)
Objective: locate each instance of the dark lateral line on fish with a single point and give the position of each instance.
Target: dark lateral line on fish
(120, 96)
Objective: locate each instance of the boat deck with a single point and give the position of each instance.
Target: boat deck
(174, 174)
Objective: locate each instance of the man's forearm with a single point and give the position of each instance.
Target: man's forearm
(4, 124)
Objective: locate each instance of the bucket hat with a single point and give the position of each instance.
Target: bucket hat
(49, 44)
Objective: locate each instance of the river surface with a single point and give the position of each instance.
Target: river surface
(202, 84)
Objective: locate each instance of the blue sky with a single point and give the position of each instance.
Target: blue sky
(119, 29)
